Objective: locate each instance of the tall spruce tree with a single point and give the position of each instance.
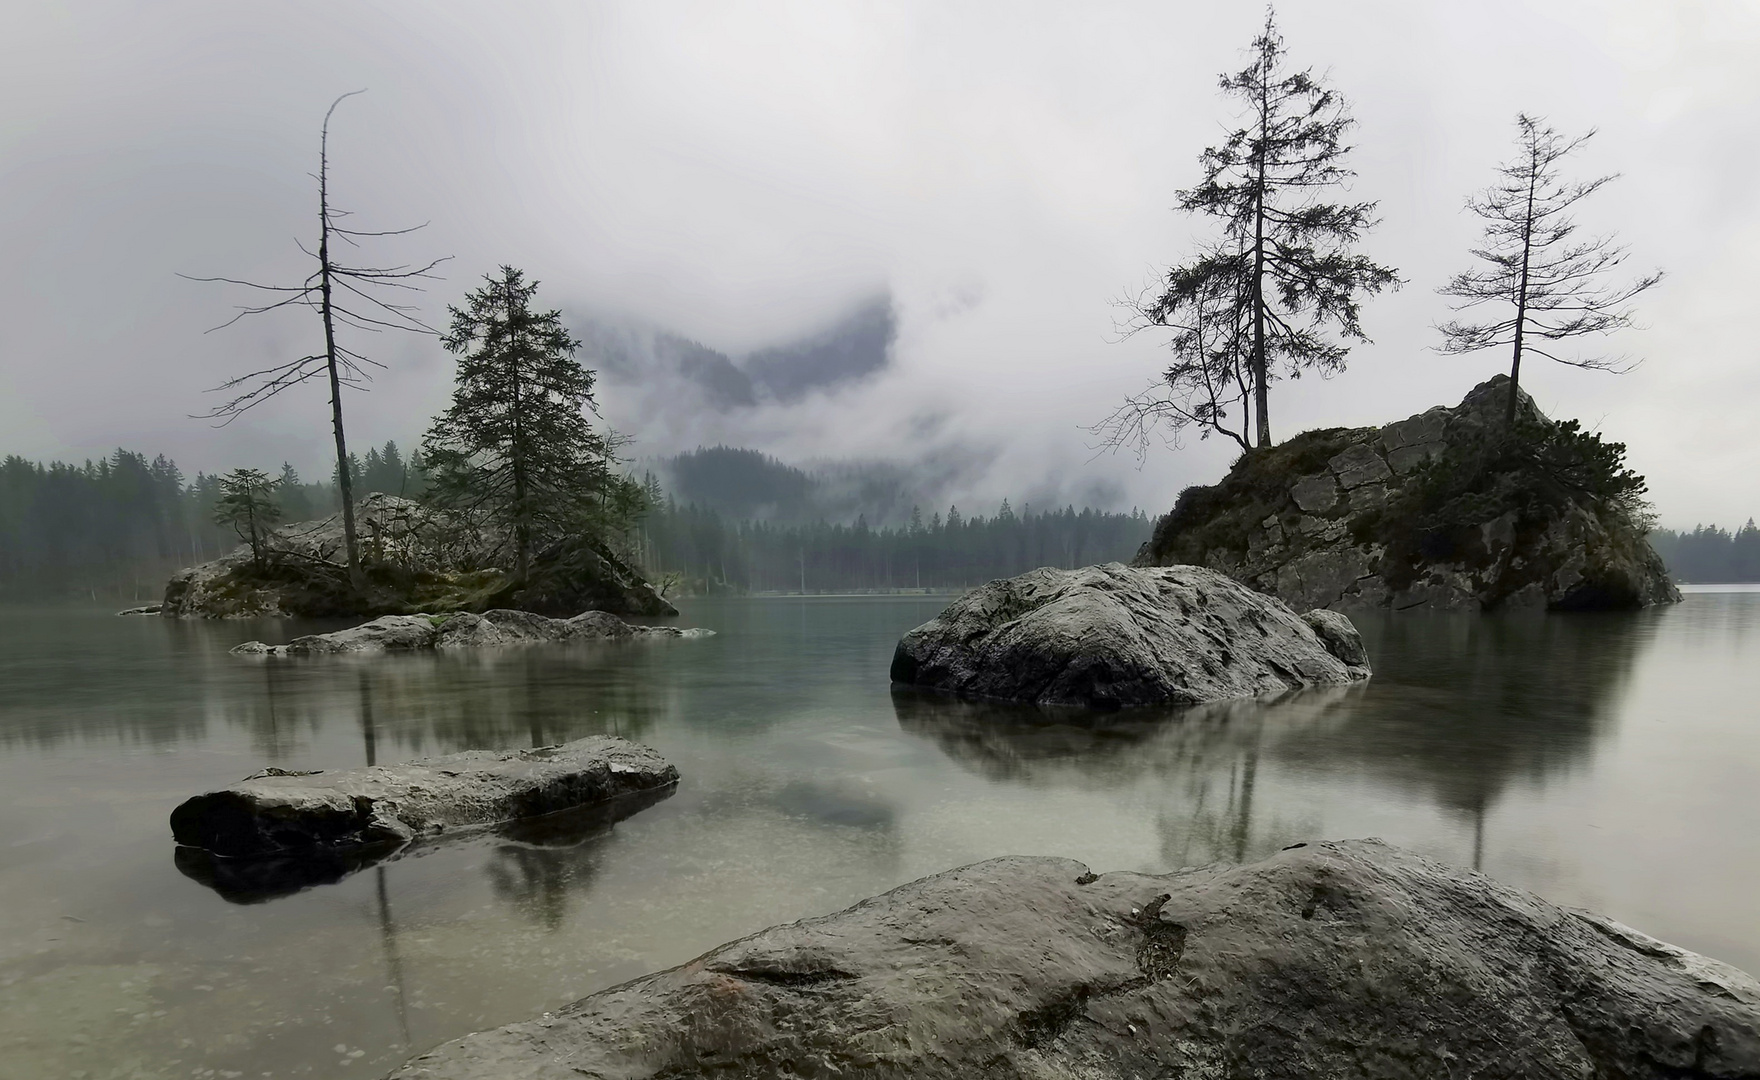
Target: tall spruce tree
(1274, 295)
(515, 447)
(1550, 282)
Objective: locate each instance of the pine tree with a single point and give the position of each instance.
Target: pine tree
(296, 505)
(515, 446)
(247, 504)
(1262, 301)
(1550, 280)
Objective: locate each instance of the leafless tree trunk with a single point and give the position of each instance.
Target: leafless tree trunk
(323, 290)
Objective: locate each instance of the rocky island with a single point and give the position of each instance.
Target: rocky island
(1333, 959)
(420, 561)
(1443, 510)
(1114, 635)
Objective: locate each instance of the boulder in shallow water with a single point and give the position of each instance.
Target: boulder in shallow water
(1349, 959)
(277, 813)
(1114, 635)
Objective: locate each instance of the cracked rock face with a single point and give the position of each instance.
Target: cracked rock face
(463, 630)
(1321, 539)
(1114, 635)
(276, 813)
(1347, 959)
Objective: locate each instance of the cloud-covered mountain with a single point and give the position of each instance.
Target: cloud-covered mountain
(851, 349)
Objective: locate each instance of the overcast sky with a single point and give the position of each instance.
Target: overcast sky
(745, 173)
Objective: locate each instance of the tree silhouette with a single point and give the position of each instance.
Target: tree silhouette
(1553, 282)
(515, 446)
(247, 503)
(1258, 303)
(339, 292)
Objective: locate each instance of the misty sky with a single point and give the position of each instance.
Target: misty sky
(746, 174)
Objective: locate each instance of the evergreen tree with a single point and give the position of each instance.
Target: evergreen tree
(1260, 303)
(296, 504)
(1551, 282)
(515, 445)
(247, 504)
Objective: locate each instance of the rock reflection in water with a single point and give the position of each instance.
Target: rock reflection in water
(1199, 763)
(534, 862)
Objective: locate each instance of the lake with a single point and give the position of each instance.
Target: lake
(1604, 761)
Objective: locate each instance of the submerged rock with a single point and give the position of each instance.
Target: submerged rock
(1114, 635)
(279, 813)
(463, 630)
(1348, 959)
(1428, 512)
(144, 609)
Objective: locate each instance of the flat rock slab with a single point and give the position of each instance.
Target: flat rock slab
(276, 813)
(463, 630)
(1114, 635)
(1349, 959)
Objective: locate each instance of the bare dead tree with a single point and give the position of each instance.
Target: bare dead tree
(340, 292)
(1552, 281)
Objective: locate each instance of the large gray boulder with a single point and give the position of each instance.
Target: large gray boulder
(1113, 635)
(1349, 959)
(276, 813)
(463, 630)
(1429, 512)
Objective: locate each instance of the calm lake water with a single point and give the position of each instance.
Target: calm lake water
(1611, 762)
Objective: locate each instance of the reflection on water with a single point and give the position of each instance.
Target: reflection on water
(1606, 761)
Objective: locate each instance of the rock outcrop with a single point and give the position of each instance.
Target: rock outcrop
(463, 630)
(1416, 514)
(1349, 959)
(1113, 635)
(417, 559)
(278, 813)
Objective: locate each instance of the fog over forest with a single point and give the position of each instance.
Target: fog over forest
(837, 232)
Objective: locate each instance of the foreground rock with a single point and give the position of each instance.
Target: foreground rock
(416, 560)
(1417, 514)
(276, 813)
(1113, 635)
(463, 630)
(1349, 959)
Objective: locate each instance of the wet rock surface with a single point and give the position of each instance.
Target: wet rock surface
(278, 814)
(463, 630)
(1342, 959)
(1320, 521)
(1110, 636)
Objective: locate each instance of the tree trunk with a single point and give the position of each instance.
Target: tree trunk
(344, 482)
(1261, 369)
(1515, 366)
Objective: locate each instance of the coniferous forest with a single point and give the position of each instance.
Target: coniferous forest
(115, 529)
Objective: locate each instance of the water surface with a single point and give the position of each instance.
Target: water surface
(1603, 761)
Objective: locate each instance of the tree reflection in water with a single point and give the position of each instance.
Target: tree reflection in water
(1459, 709)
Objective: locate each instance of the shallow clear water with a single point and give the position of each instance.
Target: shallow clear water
(1603, 761)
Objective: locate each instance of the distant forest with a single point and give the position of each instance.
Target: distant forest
(720, 521)
(1709, 554)
(116, 529)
